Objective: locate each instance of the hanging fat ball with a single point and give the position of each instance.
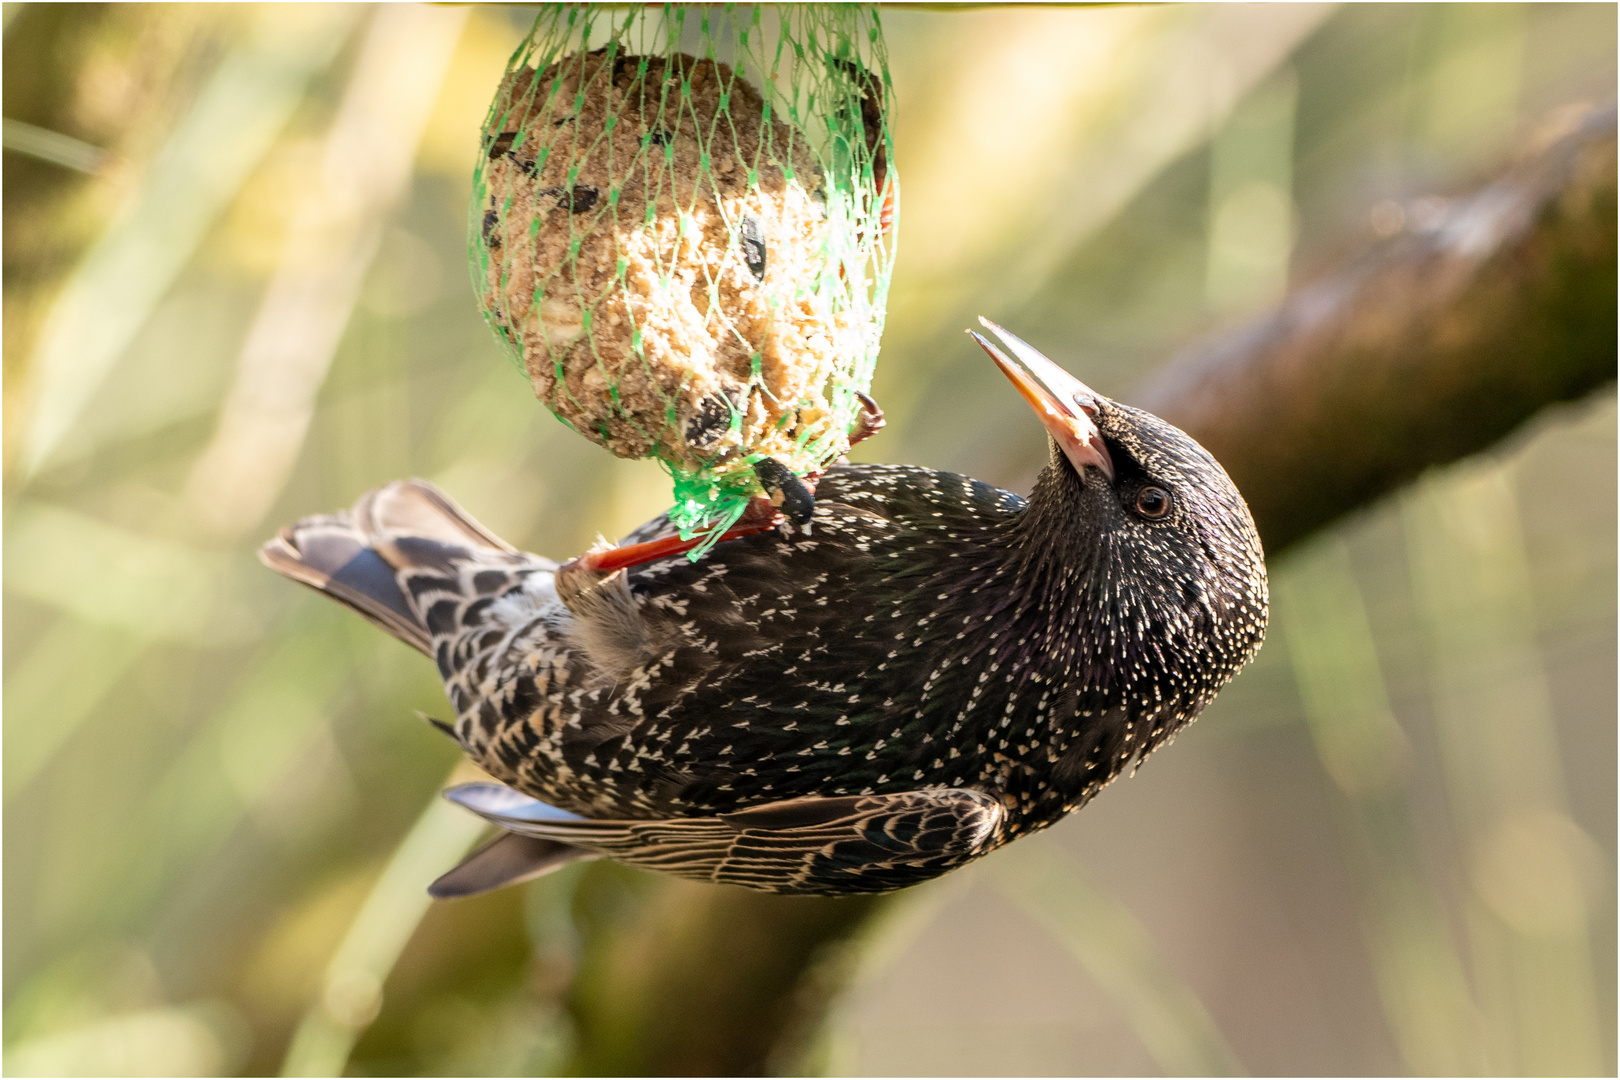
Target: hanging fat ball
(686, 255)
(936, 668)
(644, 254)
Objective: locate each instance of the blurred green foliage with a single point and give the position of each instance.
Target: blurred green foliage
(1389, 847)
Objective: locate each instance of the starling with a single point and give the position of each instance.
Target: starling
(929, 668)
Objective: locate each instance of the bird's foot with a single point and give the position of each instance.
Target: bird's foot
(586, 574)
(869, 422)
(793, 497)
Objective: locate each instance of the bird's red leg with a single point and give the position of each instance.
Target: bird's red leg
(759, 516)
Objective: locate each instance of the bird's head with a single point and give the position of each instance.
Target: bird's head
(1146, 522)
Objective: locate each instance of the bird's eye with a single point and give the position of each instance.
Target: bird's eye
(1152, 502)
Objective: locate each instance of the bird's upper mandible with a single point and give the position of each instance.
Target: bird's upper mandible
(1066, 406)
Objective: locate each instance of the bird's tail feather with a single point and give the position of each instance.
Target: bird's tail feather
(511, 858)
(356, 556)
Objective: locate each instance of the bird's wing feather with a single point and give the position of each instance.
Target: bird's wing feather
(396, 553)
(856, 843)
(417, 508)
(507, 860)
(328, 555)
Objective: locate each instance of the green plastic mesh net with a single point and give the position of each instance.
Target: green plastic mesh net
(682, 229)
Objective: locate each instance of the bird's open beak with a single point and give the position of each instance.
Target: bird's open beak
(1067, 406)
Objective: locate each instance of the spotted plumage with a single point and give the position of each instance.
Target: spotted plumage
(930, 668)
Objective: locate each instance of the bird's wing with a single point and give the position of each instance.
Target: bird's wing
(855, 843)
(507, 860)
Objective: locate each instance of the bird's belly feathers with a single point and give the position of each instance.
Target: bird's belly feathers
(881, 653)
(828, 664)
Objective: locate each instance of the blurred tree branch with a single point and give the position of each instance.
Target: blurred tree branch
(1425, 347)
(1419, 350)
(703, 980)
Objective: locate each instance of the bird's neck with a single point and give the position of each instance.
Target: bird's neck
(1068, 634)
(1042, 547)
(1029, 592)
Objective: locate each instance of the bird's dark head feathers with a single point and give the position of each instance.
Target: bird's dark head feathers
(1177, 522)
(1139, 531)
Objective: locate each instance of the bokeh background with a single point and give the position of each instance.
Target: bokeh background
(235, 293)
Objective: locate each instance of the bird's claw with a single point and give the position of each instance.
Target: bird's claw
(793, 497)
(869, 422)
